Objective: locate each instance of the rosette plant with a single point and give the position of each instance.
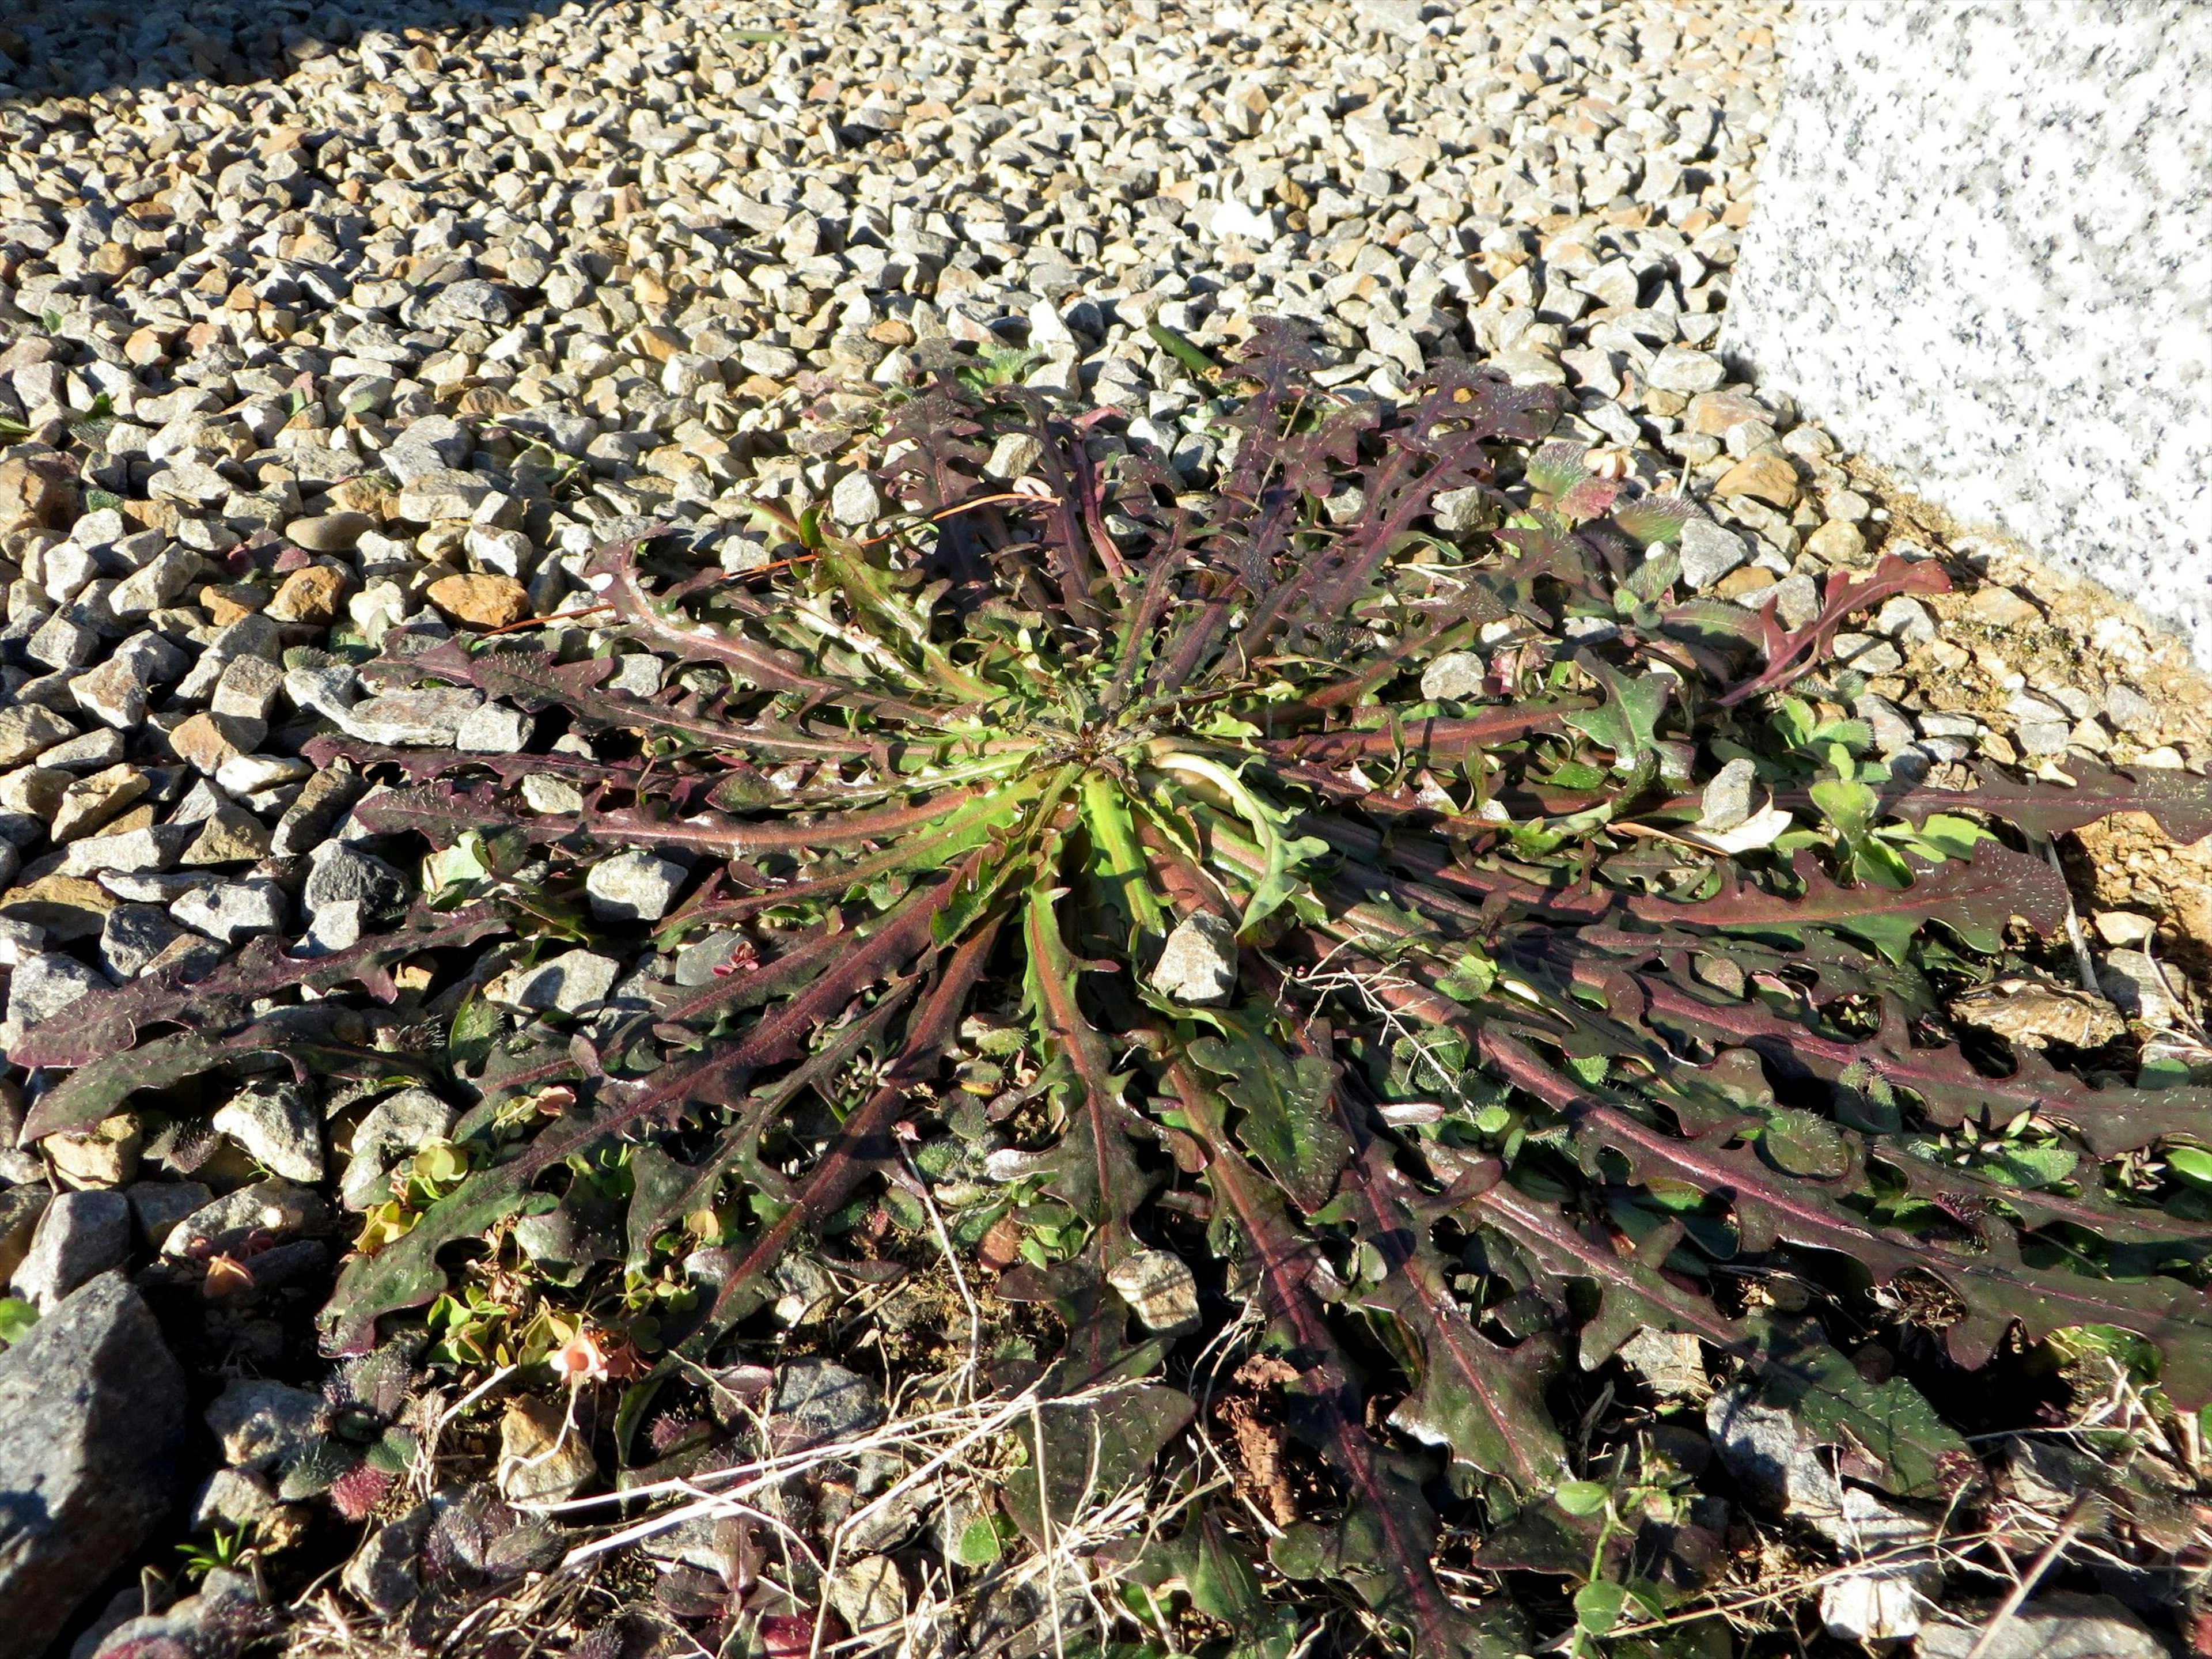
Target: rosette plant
(1257, 874)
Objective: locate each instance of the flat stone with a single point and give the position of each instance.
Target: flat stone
(430, 718)
(1455, 677)
(136, 853)
(1682, 368)
(481, 601)
(1198, 964)
(696, 962)
(494, 729)
(81, 1235)
(92, 1433)
(331, 533)
(1999, 607)
(568, 982)
(2062, 1626)
(442, 494)
(634, 886)
(233, 910)
(275, 1208)
(1765, 475)
(27, 730)
(818, 1400)
(1922, 273)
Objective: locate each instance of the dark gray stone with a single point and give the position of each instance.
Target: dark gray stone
(92, 1425)
(1978, 256)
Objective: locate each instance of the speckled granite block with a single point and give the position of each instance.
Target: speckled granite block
(1981, 254)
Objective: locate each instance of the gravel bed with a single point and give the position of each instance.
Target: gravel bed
(343, 326)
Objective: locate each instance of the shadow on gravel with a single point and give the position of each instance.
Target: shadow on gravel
(77, 48)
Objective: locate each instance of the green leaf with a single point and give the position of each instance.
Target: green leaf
(1597, 1606)
(980, 1544)
(1082, 1454)
(1582, 1497)
(1913, 1452)
(2191, 1164)
(1287, 1120)
(1627, 722)
(16, 1318)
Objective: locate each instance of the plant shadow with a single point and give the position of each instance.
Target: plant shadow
(81, 48)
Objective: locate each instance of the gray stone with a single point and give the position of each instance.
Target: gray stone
(342, 875)
(263, 1425)
(1970, 217)
(277, 1126)
(471, 300)
(493, 729)
(2141, 987)
(1708, 552)
(382, 1573)
(1455, 677)
(634, 887)
(232, 1497)
(322, 801)
(273, 1209)
(1727, 801)
(855, 501)
(79, 1237)
(1160, 1290)
(441, 494)
(1462, 512)
(397, 1126)
(436, 443)
(42, 986)
(696, 962)
(158, 1205)
(2055, 1626)
(215, 1623)
(91, 1428)
(566, 983)
(1681, 368)
(412, 719)
(1198, 964)
(232, 910)
(818, 1400)
(1892, 731)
